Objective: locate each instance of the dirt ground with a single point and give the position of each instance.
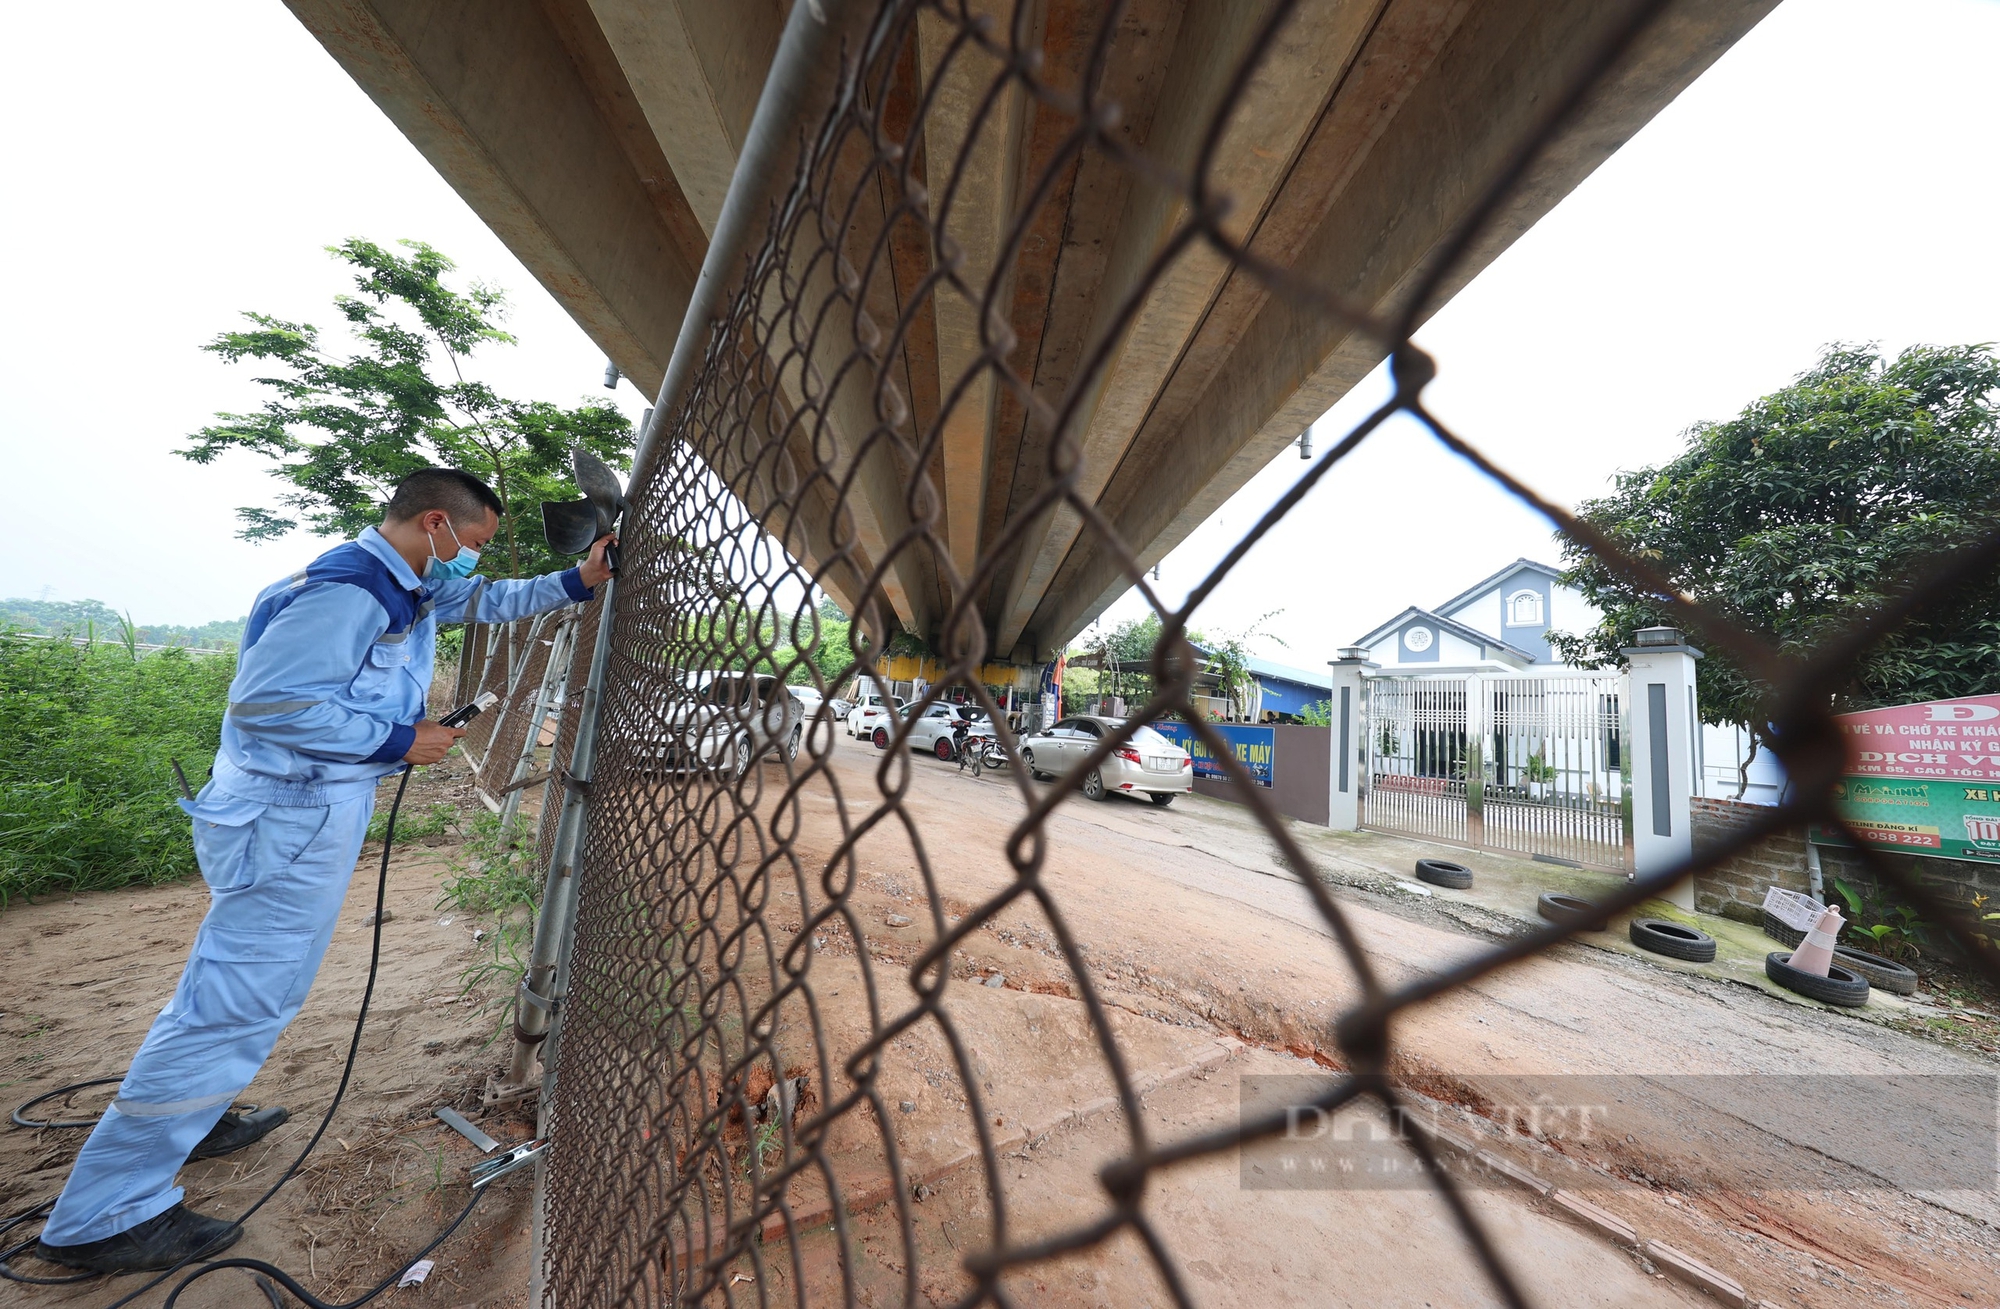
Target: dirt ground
(1214, 967)
(1188, 919)
(83, 980)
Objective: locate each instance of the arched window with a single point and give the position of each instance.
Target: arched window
(1524, 609)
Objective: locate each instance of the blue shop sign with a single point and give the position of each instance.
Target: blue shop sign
(1256, 749)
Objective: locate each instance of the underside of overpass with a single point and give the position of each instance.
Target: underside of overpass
(598, 139)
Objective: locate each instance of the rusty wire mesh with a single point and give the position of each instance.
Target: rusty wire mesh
(565, 714)
(730, 1010)
(492, 672)
(513, 718)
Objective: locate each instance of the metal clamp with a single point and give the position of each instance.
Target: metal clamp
(488, 1170)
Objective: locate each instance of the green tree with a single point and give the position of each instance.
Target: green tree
(1228, 658)
(342, 430)
(1808, 509)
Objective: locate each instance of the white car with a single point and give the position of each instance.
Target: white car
(718, 722)
(868, 711)
(934, 731)
(1149, 764)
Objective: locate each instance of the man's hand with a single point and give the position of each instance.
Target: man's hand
(594, 571)
(433, 743)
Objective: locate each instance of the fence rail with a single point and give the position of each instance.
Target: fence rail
(725, 1011)
(1529, 764)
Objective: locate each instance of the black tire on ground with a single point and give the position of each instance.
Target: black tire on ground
(1093, 786)
(792, 746)
(1558, 907)
(943, 748)
(1163, 798)
(1028, 762)
(1440, 872)
(1840, 986)
(1689, 944)
(1887, 974)
(881, 738)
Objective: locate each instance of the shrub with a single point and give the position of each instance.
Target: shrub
(87, 789)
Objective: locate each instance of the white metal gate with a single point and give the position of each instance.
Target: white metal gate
(1534, 765)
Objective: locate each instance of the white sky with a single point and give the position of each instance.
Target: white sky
(1829, 179)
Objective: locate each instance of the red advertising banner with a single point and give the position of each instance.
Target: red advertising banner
(1957, 740)
(1920, 778)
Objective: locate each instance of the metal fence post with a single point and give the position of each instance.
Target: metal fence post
(1478, 724)
(535, 1002)
(801, 72)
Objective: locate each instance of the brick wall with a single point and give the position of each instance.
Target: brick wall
(1735, 888)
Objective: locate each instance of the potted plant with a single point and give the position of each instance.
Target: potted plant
(1541, 776)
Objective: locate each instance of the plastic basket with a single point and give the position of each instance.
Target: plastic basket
(1789, 915)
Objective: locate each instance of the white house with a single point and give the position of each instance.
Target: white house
(1501, 625)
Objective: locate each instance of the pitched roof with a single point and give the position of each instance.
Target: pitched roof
(1553, 574)
(1286, 673)
(1451, 625)
(1258, 667)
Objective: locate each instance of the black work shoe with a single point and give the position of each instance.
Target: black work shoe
(234, 1131)
(180, 1235)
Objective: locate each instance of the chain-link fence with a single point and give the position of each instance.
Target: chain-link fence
(732, 1014)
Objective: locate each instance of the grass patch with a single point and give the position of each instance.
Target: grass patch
(442, 818)
(87, 789)
(497, 878)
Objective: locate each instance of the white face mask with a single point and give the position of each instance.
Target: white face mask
(459, 565)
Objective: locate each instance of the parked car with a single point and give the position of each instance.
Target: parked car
(1149, 764)
(869, 710)
(822, 714)
(934, 731)
(722, 721)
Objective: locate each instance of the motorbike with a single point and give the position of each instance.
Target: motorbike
(979, 751)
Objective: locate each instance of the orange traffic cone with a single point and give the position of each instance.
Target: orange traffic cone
(1815, 953)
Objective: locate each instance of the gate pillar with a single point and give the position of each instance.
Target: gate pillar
(1348, 741)
(1664, 727)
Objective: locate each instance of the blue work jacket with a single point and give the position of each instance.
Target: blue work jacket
(335, 670)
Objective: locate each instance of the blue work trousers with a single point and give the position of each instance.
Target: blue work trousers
(277, 876)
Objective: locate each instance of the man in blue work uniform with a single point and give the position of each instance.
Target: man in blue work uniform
(329, 697)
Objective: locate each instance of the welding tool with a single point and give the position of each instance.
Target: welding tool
(465, 713)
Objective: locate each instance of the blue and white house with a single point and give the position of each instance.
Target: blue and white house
(1500, 626)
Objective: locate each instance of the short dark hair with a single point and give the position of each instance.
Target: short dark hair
(463, 497)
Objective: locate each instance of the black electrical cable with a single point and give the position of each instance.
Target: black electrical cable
(310, 1300)
(39, 1124)
(265, 1270)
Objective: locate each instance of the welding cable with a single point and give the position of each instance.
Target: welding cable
(43, 1209)
(41, 1125)
(306, 1297)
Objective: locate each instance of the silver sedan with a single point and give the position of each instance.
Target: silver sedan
(1149, 764)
